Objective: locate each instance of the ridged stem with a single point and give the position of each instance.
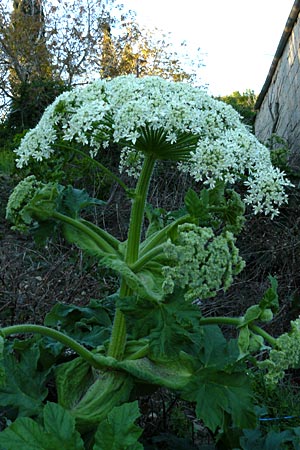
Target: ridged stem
(101, 239)
(118, 336)
(238, 322)
(54, 334)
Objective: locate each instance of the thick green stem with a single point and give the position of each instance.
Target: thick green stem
(238, 321)
(149, 256)
(117, 341)
(103, 242)
(160, 236)
(138, 210)
(118, 336)
(54, 334)
(220, 320)
(267, 337)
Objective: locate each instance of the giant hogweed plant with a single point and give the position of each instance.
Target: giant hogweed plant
(151, 331)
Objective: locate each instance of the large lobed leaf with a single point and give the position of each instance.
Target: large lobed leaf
(89, 325)
(74, 200)
(220, 385)
(25, 384)
(58, 432)
(218, 392)
(118, 431)
(171, 326)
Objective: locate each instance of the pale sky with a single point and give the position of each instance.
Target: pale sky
(237, 38)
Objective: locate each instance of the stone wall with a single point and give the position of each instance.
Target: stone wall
(279, 112)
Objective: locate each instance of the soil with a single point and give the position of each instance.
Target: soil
(33, 279)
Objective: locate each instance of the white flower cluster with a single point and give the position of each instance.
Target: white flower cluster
(201, 262)
(285, 356)
(124, 109)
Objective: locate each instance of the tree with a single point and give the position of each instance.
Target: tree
(26, 63)
(26, 43)
(47, 46)
(133, 49)
(244, 103)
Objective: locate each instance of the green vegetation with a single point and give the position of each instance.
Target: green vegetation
(243, 103)
(150, 333)
(157, 332)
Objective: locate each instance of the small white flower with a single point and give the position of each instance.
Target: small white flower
(126, 109)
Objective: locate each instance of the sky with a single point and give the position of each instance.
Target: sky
(237, 38)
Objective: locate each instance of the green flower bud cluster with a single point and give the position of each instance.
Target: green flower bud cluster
(201, 262)
(285, 356)
(31, 200)
(19, 198)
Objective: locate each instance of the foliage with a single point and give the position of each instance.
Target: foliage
(244, 104)
(254, 439)
(136, 50)
(204, 144)
(30, 101)
(151, 332)
(48, 47)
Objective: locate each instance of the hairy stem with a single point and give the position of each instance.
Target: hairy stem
(103, 240)
(149, 256)
(238, 321)
(54, 334)
(138, 210)
(118, 336)
(160, 237)
(267, 337)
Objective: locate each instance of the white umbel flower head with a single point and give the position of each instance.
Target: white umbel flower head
(171, 120)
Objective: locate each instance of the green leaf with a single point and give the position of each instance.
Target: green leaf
(193, 203)
(146, 283)
(58, 432)
(233, 213)
(216, 351)
(89, 325)
(74, 200)
(217, 207)
(171, 326)
(171, 374)
(253, 313)
(118, 431)
(73, 379)
(59, 423)
(270, 298)
(220, 385)
(25, 387)
(218, 392)
(217, 194)
(2, 365)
